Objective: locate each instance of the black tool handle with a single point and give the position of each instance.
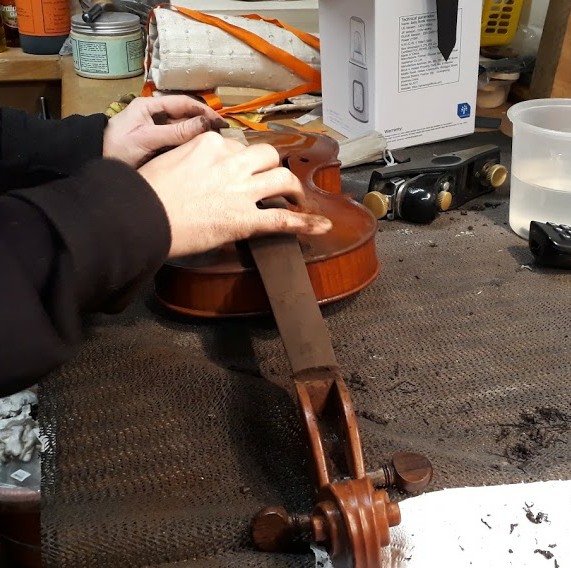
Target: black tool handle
(93, 13)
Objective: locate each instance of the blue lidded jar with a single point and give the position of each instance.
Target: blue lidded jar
(111, 47)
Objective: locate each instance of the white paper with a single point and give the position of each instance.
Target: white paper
(504, 526)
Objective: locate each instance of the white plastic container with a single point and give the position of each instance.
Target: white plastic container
(109, 48)
(541, 163)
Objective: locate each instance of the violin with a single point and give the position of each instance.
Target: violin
(352, 513)
(225, 282)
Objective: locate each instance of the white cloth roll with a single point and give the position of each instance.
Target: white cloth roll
(187, 55)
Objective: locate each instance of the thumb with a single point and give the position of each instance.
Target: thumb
(176, 134)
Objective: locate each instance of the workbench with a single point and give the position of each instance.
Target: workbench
(81, 95)
(457, 351)
(24, 78)
(181, 429)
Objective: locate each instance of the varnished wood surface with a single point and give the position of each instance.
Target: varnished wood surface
(81, 95)
(552, 73)
(15, 65)
(223, 282)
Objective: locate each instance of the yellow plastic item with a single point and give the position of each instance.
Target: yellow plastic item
(499, 21)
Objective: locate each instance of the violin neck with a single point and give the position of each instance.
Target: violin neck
(283, 271)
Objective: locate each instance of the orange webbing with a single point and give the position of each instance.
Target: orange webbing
(303, 70)
(212, 100)
(308, 39)
(264, 100)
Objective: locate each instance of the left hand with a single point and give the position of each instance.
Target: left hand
(134, 136)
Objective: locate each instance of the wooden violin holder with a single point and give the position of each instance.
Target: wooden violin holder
(292, 276)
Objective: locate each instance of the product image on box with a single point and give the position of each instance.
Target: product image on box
(358, 83)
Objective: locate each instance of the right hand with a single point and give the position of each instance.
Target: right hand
(210, 186)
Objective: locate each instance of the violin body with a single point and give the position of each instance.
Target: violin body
(225, 282)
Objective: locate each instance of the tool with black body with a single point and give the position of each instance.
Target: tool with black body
(550, 244)
(416, 191)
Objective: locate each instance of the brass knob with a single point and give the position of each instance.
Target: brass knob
(496, 174)
(378, 203)
(444, 200)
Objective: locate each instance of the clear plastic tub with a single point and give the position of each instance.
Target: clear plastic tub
(541, 163)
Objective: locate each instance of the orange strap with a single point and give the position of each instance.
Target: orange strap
(264, 100)
(210, 99)
(148, 88)
(259, 44)
(308, 39)
(300, 68)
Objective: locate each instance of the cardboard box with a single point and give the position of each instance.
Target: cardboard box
(382, 70)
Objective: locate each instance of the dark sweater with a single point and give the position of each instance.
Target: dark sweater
(77, 234)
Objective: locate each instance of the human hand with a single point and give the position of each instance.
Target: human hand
(149, 124)
(210, 188)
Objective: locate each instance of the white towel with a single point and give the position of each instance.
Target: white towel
(503, 526)
(18, 430)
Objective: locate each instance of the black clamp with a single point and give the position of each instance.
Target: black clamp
(416, 191)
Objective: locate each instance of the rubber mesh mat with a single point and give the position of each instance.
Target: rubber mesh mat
(166, 436)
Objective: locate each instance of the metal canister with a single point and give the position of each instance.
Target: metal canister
(111, 47)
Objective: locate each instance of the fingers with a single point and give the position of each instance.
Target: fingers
(236, 160)
(173, 135)
(231, 145)
(278, 182)
(257, 165)
(205, 150)
(179, 106)
(250, 160)
(181, 132)
(283, 221)
(213, 147)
